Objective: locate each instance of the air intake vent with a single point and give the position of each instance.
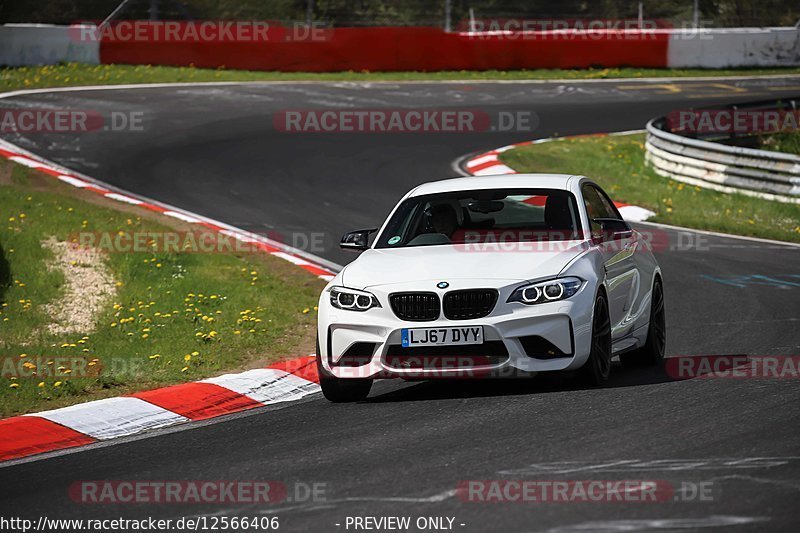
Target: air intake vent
(470, 303)
(415, 306)
(540, 348)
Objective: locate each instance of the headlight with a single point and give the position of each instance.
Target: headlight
(352, 300)
(546, 291)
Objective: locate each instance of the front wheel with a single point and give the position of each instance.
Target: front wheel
(652, 353)
(339, 390)
(598, 367)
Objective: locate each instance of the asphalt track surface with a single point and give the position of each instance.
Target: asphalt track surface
(215, 151)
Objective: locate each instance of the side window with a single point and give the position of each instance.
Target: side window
(610, 207)
(597, 205)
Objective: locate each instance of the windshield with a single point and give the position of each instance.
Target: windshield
(507, 215)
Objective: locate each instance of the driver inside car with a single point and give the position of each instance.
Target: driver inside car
(444, 219)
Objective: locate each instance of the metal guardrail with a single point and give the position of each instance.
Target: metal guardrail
(762, 173)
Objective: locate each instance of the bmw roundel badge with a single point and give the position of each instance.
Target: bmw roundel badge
(442, 284)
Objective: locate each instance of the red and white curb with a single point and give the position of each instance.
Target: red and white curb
(489, 164)
(316, 266)
(110, 418)
(87, 423)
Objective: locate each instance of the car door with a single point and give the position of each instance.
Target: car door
(622, 276)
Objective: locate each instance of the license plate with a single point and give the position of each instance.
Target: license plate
(412, 337)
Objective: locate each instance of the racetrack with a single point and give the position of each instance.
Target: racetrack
(214, 150)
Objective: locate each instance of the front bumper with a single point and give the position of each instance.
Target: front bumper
(375, 336)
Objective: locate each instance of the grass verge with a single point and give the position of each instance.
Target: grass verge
(173, 316)
(788, 142)
(617, 163)
(75, 74)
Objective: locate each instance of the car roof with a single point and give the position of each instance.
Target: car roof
(503, 181)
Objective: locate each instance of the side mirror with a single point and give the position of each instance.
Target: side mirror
(612, 229)
(356, 240)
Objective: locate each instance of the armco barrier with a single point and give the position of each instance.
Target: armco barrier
(762, 173)
(38, 44)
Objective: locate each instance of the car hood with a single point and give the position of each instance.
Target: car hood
(386, 266)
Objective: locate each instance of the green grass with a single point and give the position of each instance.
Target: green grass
(75, 74)
(617, 163)
(788, 142)
(258, 308)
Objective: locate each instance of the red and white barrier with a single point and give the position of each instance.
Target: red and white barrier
(264, 46)
(409, 48)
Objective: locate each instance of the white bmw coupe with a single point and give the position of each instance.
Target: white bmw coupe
(491, 276)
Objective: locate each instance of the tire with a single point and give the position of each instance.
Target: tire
(597, 368)
(338, 390)
(652, 353)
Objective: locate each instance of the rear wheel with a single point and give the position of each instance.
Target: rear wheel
(598, 367)
(339, 390)
(652, 353)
